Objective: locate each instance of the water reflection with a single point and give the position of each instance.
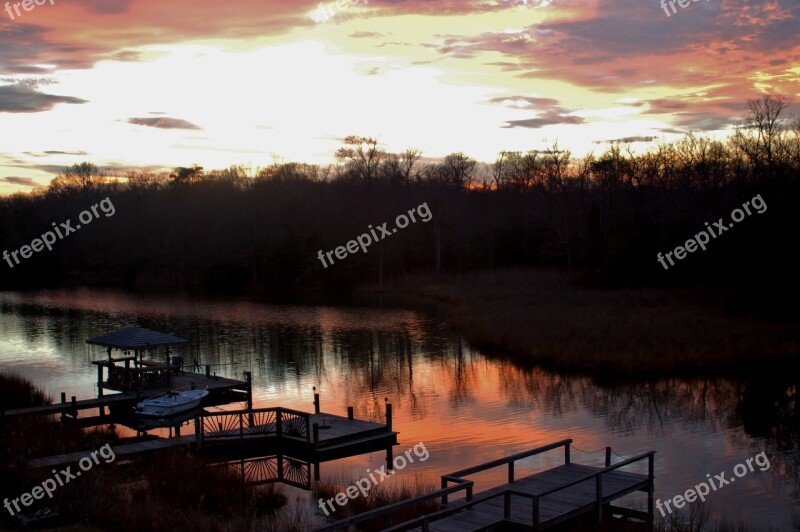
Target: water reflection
(465, 407)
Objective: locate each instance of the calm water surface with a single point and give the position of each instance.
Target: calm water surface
(464, 407)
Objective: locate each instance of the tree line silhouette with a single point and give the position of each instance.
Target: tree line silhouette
(603, 217)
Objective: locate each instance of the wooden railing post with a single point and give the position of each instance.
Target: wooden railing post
(198, 431)
(650, 492)
(315, 438)
(535, 512)
(608, 456)
(316, 400)
(510, 472)
(388, 417)
(566, 453)
(350, 413)
(241, 427)
(507, 505)
(444, 486)
(599, 496)
(278, 423)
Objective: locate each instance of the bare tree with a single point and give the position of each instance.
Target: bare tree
(407, 161)
(760, 133)
(82, 176)
(183, 175)
(459, 169)
(364, 156)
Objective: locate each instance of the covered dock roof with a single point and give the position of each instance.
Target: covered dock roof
(136, 338)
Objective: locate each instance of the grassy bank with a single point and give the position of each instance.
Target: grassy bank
(543, 317)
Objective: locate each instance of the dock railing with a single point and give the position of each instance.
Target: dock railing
(277, 421)
(508, 492)
(508, 460)
(387, 511)
(466, 485)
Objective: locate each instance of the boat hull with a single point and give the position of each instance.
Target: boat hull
(171, 404)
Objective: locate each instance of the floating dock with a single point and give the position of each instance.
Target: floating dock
(541, 501)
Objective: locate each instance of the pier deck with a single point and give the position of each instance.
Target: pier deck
(256, 432)
(536, 502)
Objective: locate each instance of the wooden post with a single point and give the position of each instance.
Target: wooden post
(74, 407)
(535, 516)
(444, 486)
(316, 401)
(651, 511)
(280, 466)
(507, 505)
(388, 416)
(390, 458)
(510, 472)
(316, 471)
(198, 431)
(248, 376)
(315, 439)
(608, 456)
(599, 496)
(278, 424)
(350, 413)
(566, 453)
(99, 380)
(208, 370)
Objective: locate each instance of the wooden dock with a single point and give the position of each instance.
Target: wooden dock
(536, 502)
(256, 432)
(219, 388)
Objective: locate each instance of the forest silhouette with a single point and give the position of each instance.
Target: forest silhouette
(602, 217)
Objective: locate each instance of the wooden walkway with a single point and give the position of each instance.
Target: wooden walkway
(256, 431)
(537, 502)
(555, 507)
(180, 381)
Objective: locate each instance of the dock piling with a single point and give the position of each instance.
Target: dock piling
(350, 413)
(248, 377)
(388, 415)
(316, 401)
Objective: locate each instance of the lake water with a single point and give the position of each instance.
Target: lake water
(464, 407)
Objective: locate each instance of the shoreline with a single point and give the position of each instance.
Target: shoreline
(542, 318)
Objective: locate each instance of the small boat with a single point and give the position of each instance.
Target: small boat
(170, 403)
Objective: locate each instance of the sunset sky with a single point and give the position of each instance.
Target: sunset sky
(139, 83)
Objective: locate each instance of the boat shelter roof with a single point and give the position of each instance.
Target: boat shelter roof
(136, 338)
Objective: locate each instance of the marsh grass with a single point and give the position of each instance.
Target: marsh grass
(378, 496)
(173, 490)
(545, 318)
(24, 437)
